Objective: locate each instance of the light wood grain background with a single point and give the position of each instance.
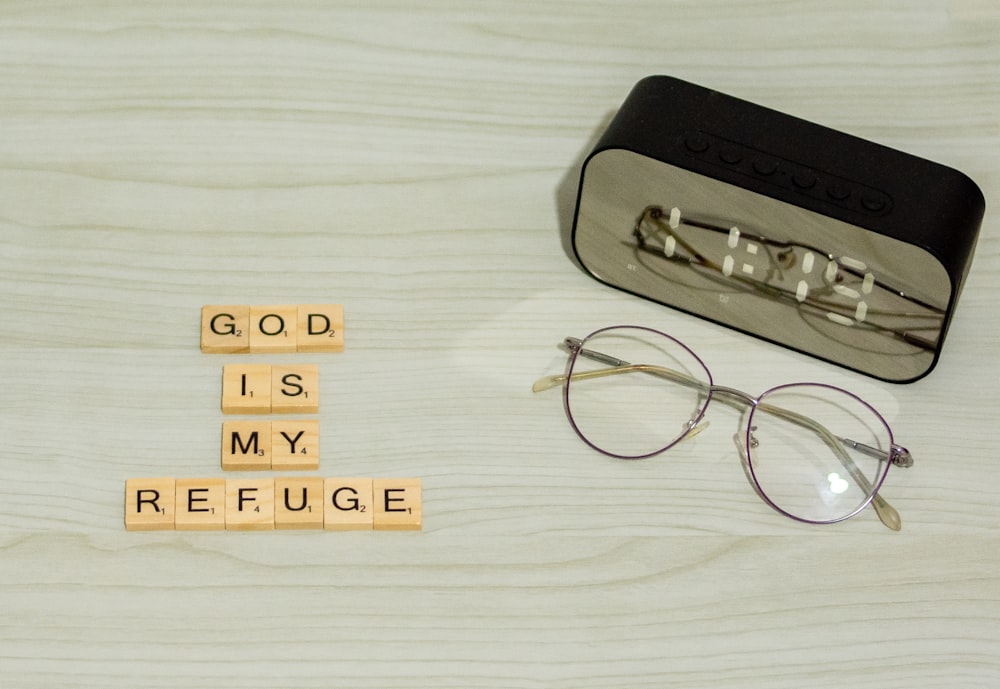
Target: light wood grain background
(407, 160)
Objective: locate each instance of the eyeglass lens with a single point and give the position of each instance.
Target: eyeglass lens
(645, 404)
(817, 453)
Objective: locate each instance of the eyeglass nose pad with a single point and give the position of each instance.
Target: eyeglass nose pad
(694, 428)
(740, 441)
(741, 445)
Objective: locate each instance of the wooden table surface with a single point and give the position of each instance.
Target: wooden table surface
(409, 161)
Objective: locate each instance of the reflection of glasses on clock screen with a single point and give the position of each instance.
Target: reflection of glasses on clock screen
(839, 290)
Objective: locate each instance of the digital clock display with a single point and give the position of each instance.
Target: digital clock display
(775, 270)
(811, 238)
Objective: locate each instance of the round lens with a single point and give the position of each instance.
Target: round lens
(817, 453)
(633, 392)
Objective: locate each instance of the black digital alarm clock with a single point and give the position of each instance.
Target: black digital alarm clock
(777, 227)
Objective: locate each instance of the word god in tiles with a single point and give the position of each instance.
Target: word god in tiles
(272, 329)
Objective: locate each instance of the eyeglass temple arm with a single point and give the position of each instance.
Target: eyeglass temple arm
(897, 455)
(554, 381)
(617, 367)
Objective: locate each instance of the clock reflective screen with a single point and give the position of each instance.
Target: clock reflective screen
(790, 275)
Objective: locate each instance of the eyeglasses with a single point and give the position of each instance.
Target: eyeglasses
(813, 452)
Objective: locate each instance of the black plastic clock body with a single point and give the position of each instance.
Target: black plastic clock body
(777, 227)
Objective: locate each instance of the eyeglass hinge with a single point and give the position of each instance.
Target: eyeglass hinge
(901, 456)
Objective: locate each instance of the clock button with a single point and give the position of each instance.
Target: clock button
(872, 203)
(765, 166)
(838, 192)
(696, 143)
(804, 179)
(730, 154)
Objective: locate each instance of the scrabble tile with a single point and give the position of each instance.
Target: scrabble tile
(225, 329)
(398, 504)
(250, 504)
(273, 329)
(347, 504)
(149, 504)
(246, 389)
(295, 445)
(200, 504)
(320, 328)
(246, 445)
(295, 389)
(298, 502)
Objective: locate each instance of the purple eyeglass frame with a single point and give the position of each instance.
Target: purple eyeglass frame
(896, 454)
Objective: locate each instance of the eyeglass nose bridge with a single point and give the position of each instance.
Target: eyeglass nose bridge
(698, 423)
(732, 394)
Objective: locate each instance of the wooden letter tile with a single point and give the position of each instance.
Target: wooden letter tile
(398, 504)
(298, 502)
(225, 329)
(295, 389)
(149, 504)
(348, 504)
(250, 504)
(246, 445)
(200, 504)
(295, 445)
(273, 329)
(246, 389)
(321, 328)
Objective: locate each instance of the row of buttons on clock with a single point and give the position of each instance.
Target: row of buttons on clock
(787, 174)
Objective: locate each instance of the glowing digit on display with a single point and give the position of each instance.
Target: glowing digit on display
(846, 291)
(669, 246)
(867, 285)
(729, 261)
(853, 263)
(831, 271)
(675, 218)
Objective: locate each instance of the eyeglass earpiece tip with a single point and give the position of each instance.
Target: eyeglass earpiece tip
(887, 514)
(547, 382)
